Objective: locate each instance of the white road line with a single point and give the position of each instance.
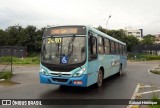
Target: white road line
(149, 92)
(135, 92)
(134, 95)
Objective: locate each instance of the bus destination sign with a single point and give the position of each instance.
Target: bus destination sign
(65, 30)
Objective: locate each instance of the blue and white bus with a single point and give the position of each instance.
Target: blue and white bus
(80, 56)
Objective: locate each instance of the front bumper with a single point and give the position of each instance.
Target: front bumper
(68, 81)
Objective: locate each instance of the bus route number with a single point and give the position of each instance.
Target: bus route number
(54, 40)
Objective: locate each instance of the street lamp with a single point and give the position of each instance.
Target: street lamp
(107, 21)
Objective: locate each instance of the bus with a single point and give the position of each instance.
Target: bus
(80, 56)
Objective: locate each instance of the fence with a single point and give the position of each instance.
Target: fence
(147, 49)
(6, 54)
(17, 51)
(6, 62)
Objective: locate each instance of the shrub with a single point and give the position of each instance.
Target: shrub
(5, 75)
(143, 56)
(151, 57)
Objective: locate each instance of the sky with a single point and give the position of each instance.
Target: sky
(136, 14)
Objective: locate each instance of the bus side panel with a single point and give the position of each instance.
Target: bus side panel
(92, 72)
(123, 60)
(115, 64)
(106, 63)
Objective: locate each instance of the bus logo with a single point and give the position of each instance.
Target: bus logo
(64, 60)
(59, 74)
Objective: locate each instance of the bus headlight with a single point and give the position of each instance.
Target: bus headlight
(79, 73)
(44, 72)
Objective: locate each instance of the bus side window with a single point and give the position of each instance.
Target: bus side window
(92, 45)
(117, 48)
(120, 48)
(107, 46)
(124, 50)
(113, 47)
(100, 45)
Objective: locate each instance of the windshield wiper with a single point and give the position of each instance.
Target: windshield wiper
(70, 46)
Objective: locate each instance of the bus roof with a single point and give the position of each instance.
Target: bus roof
(94, 30)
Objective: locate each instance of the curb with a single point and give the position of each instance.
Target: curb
(152, 69)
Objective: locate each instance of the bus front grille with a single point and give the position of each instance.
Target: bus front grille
(59, 80)
(57, 74)
(60, 69)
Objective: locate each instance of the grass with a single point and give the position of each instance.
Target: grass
(28, 60)
(15, 60)
(155, 71)
(155, 98)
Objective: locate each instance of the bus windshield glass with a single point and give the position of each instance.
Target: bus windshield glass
(64, 50)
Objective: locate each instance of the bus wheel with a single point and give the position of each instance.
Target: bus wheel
(120, 70)
(100, 78)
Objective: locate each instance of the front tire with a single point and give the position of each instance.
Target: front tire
(100, 79)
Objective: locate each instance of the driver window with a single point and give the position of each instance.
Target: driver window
(92, 46)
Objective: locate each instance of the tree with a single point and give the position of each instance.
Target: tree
(38, 40)
(131, 41)
(30, 37)
(2, 37)
(118, 34)
(12, 34)
(148, 39)
(100, 28)
(22, 38)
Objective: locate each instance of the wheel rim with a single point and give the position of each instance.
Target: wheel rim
(100, 78)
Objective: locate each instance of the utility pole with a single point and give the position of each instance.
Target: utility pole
(107, 21)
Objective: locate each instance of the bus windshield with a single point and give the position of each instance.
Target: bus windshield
(63, 50)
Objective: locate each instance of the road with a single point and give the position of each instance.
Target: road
(114, 87)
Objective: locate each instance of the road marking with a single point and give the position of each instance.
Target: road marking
(134, 96)
(149, 92)
(148, 86)
(135, 92)
(139, 95)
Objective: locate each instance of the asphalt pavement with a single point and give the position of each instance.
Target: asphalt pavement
(114, 87)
